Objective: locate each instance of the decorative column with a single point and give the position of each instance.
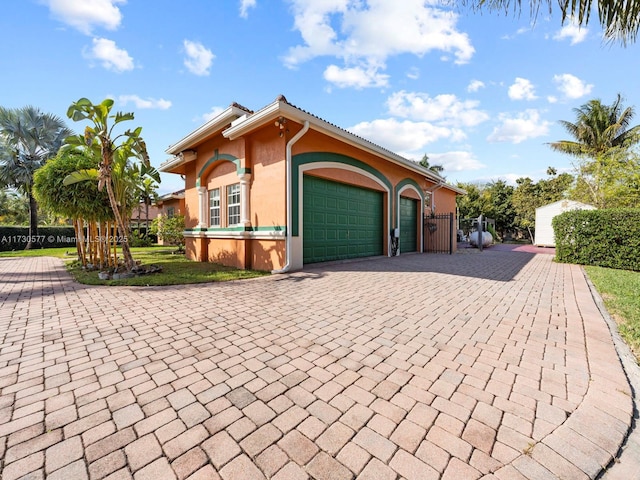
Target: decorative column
(202, 210)
(245, 210)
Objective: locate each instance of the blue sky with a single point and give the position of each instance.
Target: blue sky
(481, 94)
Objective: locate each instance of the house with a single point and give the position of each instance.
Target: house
(139, 217)
(171, 204)
(279, 187)
(545, 236)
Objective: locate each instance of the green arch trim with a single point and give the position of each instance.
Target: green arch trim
(218, 157)
(409, 181)
(396, 193)
(317, 157)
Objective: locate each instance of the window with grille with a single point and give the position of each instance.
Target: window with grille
(233, 204)
(214, 207)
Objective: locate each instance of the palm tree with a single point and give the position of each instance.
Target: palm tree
(599, 129)
(146, 187)
(603, 138)
(620, 19)
(424, 162)
(28, 138)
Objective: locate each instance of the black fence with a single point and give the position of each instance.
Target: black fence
(438, 233)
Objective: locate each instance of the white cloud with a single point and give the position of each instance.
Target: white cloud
(109, 55)
(199, 58)
(364, 34)
(523, 126)
(413, 73)
(573, 32)
(475, 85)
(84, 15)
(356, 77)
(211, 114)
(245, 5)
(456, 161)
(571, 86)
(522, 89)
(404, 136)
(445, 109)
(145, 103)
(520, 31)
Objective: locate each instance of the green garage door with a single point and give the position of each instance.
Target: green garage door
(408, 225)
(340, 221)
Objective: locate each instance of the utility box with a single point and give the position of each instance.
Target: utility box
(544, 216)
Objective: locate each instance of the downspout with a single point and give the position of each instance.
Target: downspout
(431, 191)
(296, 137)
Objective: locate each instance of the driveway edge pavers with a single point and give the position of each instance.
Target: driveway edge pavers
(626, 464)
(591, 437)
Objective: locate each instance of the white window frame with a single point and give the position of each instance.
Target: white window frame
(214, 194)
(234, 204)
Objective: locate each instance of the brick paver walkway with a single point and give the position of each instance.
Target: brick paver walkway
(495, 365)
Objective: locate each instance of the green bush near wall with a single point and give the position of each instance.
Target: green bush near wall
(16, 238)
(605, 238)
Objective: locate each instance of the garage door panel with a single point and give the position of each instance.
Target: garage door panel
(408, 225)
(350, 218)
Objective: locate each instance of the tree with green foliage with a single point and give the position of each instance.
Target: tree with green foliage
(602, 144)
(170, 230)
(28, 138)
(111, 148)
(80, 200)
(14, 208)
(147, 195)
(437, 169)
(501, 209)
(475, 202)
(529, 195)
(492, 200)
(620, 19)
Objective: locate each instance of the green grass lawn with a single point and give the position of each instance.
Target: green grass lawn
(176, 269)
(620, 290)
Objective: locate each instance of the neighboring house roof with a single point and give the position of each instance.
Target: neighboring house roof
(179, 195)
(243, 121)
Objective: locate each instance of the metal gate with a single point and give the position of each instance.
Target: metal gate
(438, 233)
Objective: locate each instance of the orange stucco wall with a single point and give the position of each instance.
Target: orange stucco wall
(263, 154)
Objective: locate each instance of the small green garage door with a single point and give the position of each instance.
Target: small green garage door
(340, 221)
(408, 225)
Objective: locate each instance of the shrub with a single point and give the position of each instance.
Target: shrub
(605, 238)
(170, 230)
(15, 238)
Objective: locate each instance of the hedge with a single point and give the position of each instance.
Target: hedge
(15, 238)
(605, 238)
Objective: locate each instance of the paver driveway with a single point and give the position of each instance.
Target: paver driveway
(493, 365)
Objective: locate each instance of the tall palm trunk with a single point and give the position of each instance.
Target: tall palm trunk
(146, 231)
(33, 221)
(105, 179)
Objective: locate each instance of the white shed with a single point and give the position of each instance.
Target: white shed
(544, 216)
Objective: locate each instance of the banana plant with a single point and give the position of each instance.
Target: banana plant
(115, 150)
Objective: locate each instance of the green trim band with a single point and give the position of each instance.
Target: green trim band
(275, 228)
